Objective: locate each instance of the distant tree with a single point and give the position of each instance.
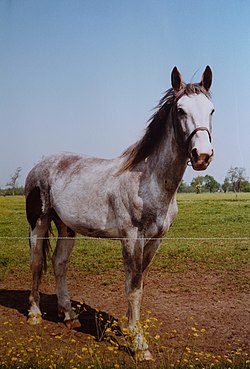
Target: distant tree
(197, 183)
(236, 176)
(207, 183)
(184, 187)
(245, 186)
(226, 185)
(211, 184)
(12, 184)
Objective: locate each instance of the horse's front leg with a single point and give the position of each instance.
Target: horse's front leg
(133, 266)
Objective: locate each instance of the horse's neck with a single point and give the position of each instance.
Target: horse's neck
(168, 162)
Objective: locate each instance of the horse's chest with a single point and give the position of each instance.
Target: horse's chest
(158, 213)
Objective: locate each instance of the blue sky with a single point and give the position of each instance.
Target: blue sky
(83, 76)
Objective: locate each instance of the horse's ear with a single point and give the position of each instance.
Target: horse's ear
(176, 79)
(207, 78)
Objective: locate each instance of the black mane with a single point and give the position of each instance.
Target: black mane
(154, 132)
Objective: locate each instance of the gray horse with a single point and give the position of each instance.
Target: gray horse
(132, 197)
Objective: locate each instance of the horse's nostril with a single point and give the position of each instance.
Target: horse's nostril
(206, 159)
(194, 154)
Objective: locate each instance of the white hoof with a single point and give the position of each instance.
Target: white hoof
(143, 355)
(35, 319)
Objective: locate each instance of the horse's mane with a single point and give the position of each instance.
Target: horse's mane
(154, 132)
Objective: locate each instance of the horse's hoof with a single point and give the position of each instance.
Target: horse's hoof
(35, 319)
(143, 355)
(72, 323)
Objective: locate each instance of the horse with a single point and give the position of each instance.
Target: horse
(131, 198)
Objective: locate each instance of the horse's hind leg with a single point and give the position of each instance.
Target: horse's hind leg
(37, 255)
(60, 260)
(39, 224)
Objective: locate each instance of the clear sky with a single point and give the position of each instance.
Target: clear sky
(84, 75)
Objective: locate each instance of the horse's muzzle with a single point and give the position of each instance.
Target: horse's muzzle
(201, 161)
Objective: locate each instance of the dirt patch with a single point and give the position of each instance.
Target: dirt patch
(200, 310)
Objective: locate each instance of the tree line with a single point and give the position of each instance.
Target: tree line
(235, 181)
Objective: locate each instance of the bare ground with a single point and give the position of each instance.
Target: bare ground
(202, 310)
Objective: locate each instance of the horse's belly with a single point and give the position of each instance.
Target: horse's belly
(94, 220)
(96, 232)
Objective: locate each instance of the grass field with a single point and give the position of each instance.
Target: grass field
(219, 218)
(211, 233)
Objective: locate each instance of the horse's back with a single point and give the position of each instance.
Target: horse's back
(60, 167)
(78, 189)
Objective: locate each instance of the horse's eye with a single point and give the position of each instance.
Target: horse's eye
(212, 112)
(180, 111)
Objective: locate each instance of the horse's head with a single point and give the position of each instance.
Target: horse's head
(193, 118)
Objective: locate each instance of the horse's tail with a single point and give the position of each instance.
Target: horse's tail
(34, 212)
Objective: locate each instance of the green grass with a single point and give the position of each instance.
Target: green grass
(14, 250)
(200, 216)
(212, 215)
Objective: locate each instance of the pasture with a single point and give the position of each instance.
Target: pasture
(196, 300)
